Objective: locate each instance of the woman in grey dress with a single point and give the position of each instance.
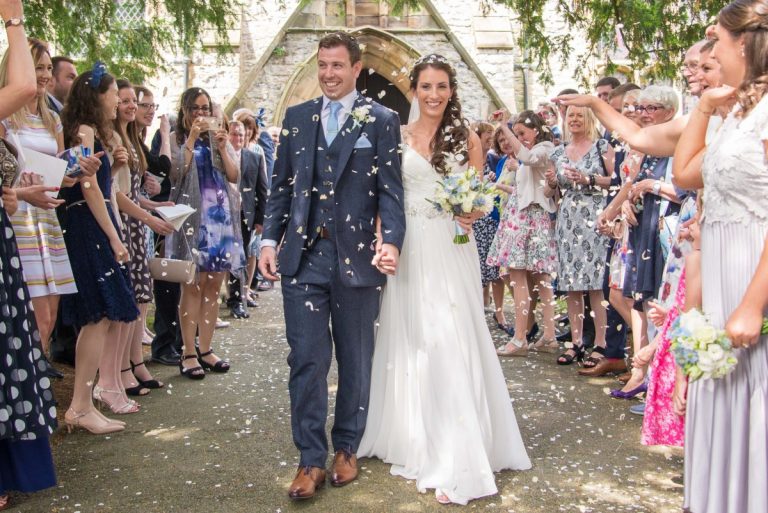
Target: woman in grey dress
(580, 175)
(726, 432)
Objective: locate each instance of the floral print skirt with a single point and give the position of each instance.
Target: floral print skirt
(525, 239)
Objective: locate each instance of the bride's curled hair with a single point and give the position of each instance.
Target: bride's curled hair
(750, 19)
(451, 138)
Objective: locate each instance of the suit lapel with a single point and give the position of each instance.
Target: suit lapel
(349, 133)
(310, 143)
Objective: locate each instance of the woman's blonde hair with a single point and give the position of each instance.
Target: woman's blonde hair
(19, 119)
(591, 125)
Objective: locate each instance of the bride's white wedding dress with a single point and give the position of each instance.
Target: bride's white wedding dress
(439, 408)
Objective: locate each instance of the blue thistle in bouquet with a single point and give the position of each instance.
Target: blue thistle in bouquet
(702, 350)
(462, 193)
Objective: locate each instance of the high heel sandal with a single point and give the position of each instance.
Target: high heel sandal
(546, 346)
(221, 366)
(73, 419)
(191, 372)
(591, 361)
(138, 390)
(567, 359)
(146, 383)
(130, 406)
(620, 394)
(441, 497)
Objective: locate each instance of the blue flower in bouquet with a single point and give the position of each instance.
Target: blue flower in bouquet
(462, 193)
(700, 349)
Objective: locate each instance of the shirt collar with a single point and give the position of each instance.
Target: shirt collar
(346, 102)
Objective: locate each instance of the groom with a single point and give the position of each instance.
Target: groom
(337, 168)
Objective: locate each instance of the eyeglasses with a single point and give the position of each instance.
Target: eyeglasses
(691, 67)
(650, 109)
(198, 108)
(149, 106)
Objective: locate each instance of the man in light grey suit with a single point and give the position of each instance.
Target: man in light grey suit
(337, 172)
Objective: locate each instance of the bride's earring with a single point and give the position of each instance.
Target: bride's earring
(742, 51)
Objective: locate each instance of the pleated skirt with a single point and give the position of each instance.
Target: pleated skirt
(726, 434)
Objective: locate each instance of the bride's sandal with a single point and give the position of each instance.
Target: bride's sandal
(513, 348)
(441, 497)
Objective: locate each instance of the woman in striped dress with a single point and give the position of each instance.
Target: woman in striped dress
(44, 258)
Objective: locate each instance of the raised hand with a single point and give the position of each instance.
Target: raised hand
(11, 9)
(120, 156)
(579, 100)
(715, 97)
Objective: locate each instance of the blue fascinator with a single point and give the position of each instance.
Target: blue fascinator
(97, 73)
(259, 118)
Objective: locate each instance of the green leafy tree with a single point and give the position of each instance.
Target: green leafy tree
(655, 33)
(131, 36)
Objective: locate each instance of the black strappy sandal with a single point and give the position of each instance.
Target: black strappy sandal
(137, 391)
(567, 359)
(221, 366)
(149, 383)
(591, 361)
(192, 372)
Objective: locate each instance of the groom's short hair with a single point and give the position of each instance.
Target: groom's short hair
(344, 39)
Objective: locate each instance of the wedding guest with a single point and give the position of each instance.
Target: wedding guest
(253, 197)
(213, 230)
(485, 227)
(652, 199)
(616, 97)
(726, 463)
(44, 257)
(104, 298)
(132, 376)
(63, 74)
(604, 87)
(548, 112)
(524, 245)
(26, 464)
(580, 175)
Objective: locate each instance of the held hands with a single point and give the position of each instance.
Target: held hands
(10, 202)
(268, 263)
(387, 257)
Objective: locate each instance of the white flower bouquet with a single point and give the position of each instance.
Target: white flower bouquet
(700, 349)
(462, 193)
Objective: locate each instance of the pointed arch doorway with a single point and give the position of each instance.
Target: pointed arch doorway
(386, 62)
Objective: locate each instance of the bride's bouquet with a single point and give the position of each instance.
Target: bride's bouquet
(701, 350)
(462, 193)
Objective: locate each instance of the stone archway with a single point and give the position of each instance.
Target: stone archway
(385, 54)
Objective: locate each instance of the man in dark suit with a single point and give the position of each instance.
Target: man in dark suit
(253, 199)
(337, 170)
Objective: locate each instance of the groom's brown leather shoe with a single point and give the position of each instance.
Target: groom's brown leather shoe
(605, 366)
(307, 481)
(344, 468)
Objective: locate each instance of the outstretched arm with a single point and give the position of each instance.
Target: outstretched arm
(656, 140)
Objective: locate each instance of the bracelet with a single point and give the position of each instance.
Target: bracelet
(698, 107)
(592, 180)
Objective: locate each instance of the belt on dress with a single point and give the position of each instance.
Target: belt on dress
(82, 202)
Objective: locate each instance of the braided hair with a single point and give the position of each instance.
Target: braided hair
(452, 137)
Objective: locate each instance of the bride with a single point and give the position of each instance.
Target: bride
(439, 409)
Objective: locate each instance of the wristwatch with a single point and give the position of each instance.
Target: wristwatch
(656, 187)
(14, 22)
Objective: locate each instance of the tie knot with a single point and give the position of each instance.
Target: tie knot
(334, 107)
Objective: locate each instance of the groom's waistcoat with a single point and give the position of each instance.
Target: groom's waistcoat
(321, 209)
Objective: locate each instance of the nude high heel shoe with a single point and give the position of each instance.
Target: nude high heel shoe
(90, 422)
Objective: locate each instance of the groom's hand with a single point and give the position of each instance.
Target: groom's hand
(386, 259)
(268, 263)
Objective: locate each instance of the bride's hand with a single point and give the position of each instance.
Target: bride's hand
(386, 259)
(466, 220)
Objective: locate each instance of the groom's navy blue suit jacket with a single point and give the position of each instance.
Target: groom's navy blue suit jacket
(367, 182)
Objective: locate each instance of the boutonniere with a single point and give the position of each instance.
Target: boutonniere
(362, 115)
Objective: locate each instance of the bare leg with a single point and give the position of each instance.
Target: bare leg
(575, 301)
(519, 280)
(622, 304)
(596, 299)
(189, 313)
(497, 288)
(533, 293)
(209, 308)
(639, 340)
(43, 318)
(250, 272)
(487, 296)
(547, 296)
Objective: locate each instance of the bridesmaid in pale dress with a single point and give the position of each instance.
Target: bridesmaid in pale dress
(726, 438)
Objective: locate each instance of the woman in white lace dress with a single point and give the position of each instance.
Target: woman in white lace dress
(726, 438)
(439, 407)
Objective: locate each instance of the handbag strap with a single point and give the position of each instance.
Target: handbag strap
(664, 205)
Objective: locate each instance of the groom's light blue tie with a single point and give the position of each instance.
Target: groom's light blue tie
(332, 127)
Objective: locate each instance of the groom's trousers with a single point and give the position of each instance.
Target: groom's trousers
(312, 298)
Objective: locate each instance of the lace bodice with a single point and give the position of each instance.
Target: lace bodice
(420, 182)
(735, 171)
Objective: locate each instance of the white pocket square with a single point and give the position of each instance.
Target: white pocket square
(363, 142)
